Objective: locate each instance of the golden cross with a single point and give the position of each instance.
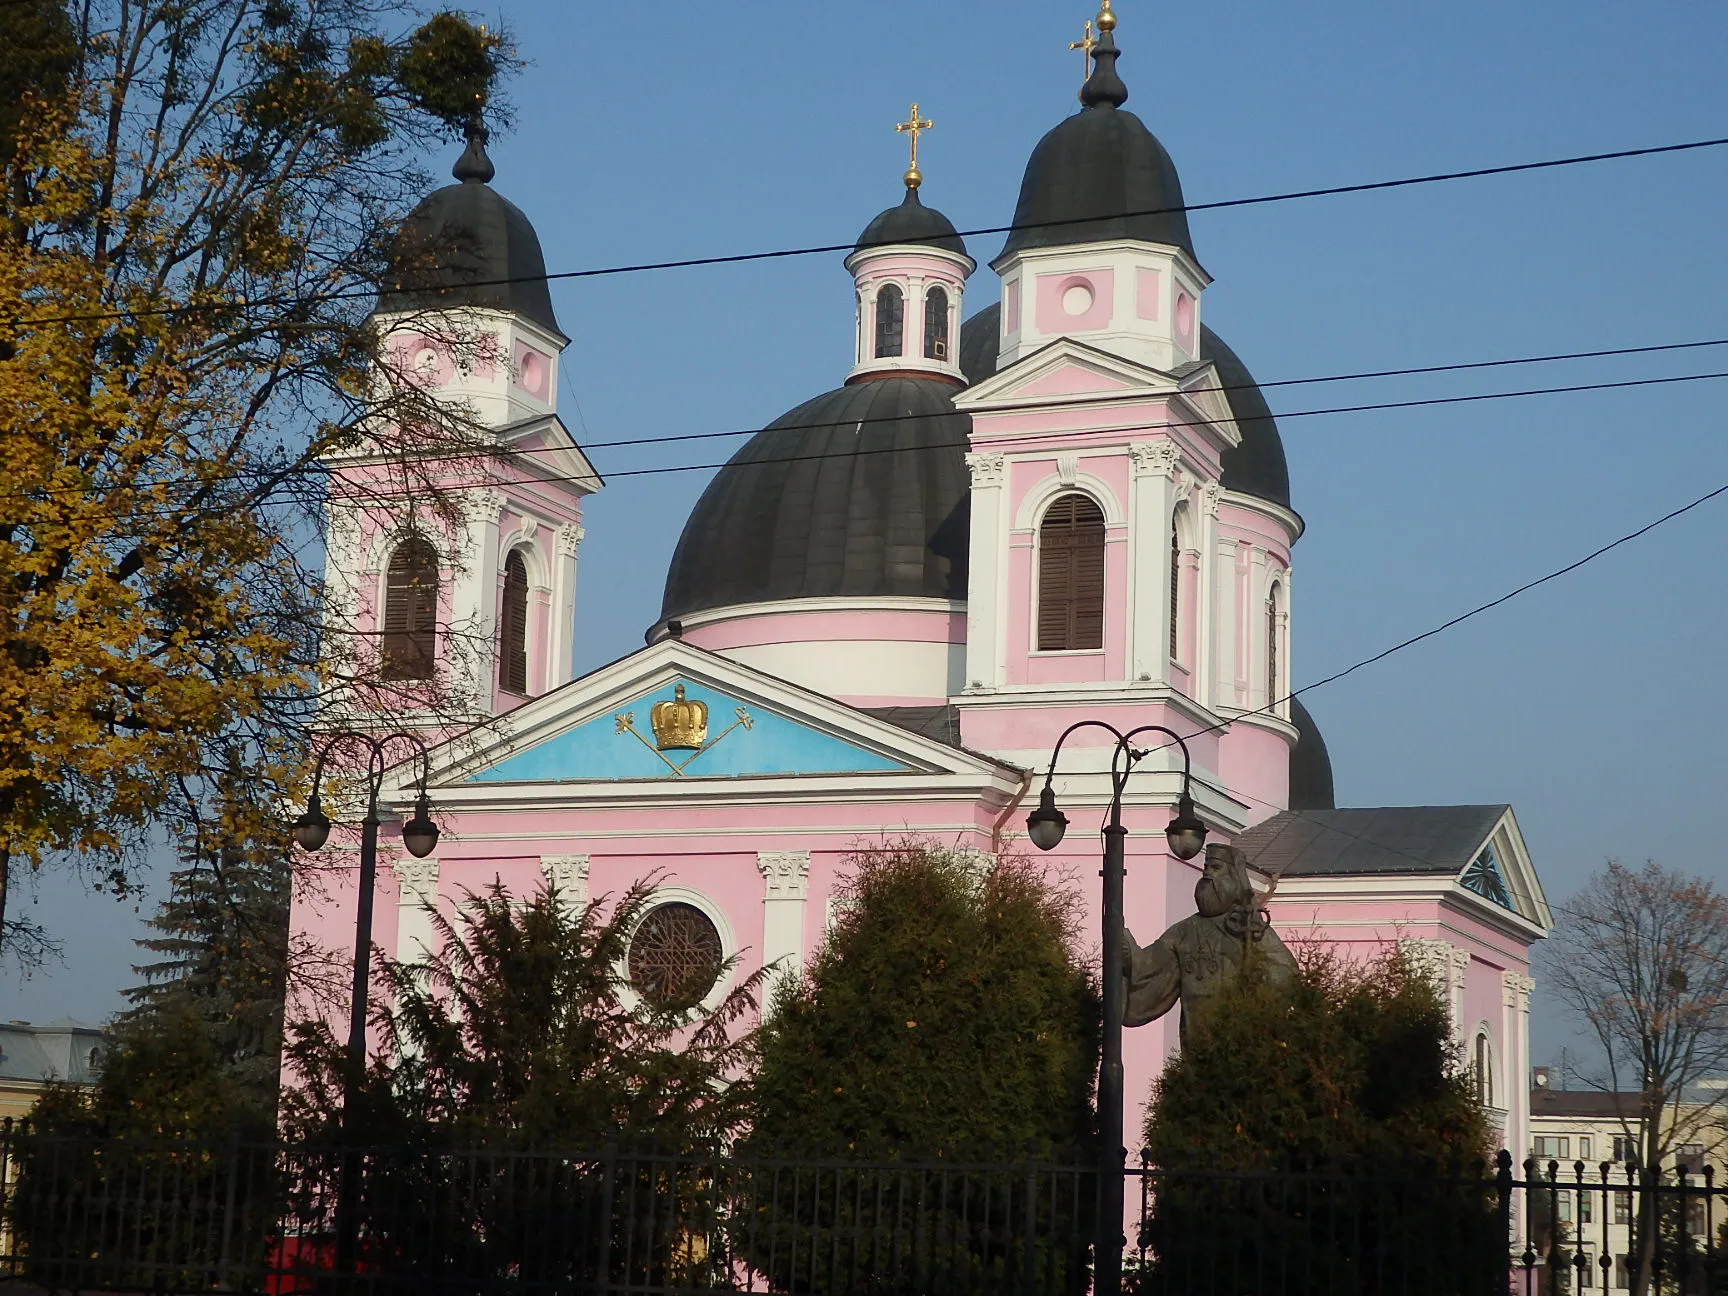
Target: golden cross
(1085, 47)
(914, 128)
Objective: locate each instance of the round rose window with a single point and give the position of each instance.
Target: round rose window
(675, 956)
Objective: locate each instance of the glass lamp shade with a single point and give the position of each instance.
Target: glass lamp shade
(420, 834)
(312, 829)
(1046, 825)
(1185, 833)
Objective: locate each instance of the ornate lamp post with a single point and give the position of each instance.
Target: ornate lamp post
(420, 837)
(1187, 835)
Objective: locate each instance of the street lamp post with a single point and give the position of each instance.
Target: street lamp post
(420, 837)
(1187, 835)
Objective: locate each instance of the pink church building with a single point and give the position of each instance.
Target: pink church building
(887, 606)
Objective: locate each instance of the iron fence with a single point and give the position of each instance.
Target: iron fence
(234, 1216)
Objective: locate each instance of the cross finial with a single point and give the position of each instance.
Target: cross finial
(915, 127)
(1085, 47)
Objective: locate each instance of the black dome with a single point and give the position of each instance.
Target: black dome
(468, 245)
(1255, 467)
(1310, 764)
(912, 222)
(1092, 170)
(861, 491)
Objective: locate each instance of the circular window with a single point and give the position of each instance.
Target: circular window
(675, 957)
(534, 373)
(1077, 298)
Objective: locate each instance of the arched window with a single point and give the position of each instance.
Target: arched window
(513, 626)
(1071, 575)
(1175, 590)
(890, 321)
(936, 324)
(1483, 1066)
(410, 644)
(1273, 666)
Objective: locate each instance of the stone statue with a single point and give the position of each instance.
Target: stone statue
(1195, 960)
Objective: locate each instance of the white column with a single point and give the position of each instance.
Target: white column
(786, 875)
(417, 883)
(1254, 616)
(473, 629)
(568, 875)
(1151, 506)
(1206, 597)
(987, 558)
(1516, 1048)
(561, 634)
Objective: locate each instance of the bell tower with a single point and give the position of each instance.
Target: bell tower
(452, 567)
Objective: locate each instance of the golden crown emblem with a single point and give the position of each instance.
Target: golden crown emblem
(679, 725)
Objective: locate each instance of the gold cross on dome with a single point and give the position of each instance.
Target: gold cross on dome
(916, 127)
(1085, 47)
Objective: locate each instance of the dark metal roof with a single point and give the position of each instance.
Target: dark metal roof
(912, 223)
(1310, 764)
(467, 245)
(941, 723)
(1255, 467)
(1397, 839)
(861, 491)
(1088, 173)
(1546, 1101)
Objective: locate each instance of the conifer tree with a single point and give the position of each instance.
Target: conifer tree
(1318, 1136)
(949, 1018)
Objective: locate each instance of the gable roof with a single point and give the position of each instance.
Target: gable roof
(1392, 839)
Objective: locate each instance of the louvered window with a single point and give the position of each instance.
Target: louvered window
(1071, 576)
(890, 321)
(936, 324)
(513, 627)
(410, 644)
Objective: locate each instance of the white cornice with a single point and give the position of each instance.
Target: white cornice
(813, 606)
(1288, 518)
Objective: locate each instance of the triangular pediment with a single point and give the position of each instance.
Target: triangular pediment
(627, 723)
(545, 447)
(1203, 389)
(1066, 370)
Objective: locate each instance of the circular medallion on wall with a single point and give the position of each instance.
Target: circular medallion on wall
(1077, 298)
(675, 957)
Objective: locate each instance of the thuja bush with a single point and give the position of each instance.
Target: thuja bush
(948, 1022)
(1320, 1136)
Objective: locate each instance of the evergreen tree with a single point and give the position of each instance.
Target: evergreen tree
(949, 1017)
(1317, 1136)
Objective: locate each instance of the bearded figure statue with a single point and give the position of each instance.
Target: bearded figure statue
(1195, 960)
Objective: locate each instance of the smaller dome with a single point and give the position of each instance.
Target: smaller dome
(467, 245)
(1100, 176)
(1310, 764)
(911, 223)
(1257, 466)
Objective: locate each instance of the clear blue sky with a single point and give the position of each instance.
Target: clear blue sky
(1595, 705)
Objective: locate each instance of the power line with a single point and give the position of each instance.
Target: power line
(553, 478)
(738, 258)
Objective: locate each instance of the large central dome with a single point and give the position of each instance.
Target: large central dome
(859, 492)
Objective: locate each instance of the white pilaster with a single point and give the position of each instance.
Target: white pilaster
(1151, 508)
(786, 879)
(1206, 596)
(561, 634)
(987, 561)
(417, 893)
(568, 876)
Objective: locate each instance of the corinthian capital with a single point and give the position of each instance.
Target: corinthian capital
(988, 468)
(787, 873)
(1153, 458)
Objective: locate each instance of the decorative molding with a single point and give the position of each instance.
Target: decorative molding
(484, 506)
(568, 875)
(1067, 468)
(988, 468)
(417, 880)
(787, 874)
(569, 540)
(529, 528)
(1153, 458)
(1518, 990)
(1433, 958)
(1213, 496)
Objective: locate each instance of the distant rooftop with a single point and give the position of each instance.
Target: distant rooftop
(63, 1049)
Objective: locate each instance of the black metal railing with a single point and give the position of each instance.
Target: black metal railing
(235, 1216)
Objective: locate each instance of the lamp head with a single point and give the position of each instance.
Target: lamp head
(1046, 825)
(1185, 833)
(420, 834)
(312, 829)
